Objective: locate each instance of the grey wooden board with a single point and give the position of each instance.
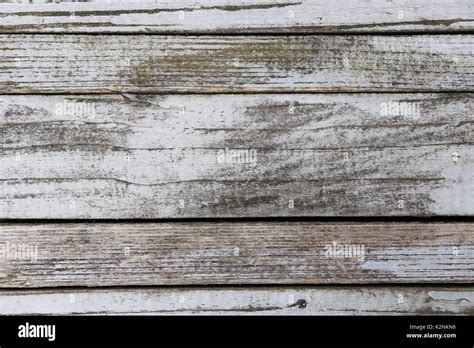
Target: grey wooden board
(237, 16)
(242, 301)
(152, 156)
(153, 63)
(203, 253)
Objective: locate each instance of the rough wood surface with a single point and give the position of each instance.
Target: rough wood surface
(237, 16)
(150, 156)
(151, 63)
(125, 155)
(242, 301)
(201, 253)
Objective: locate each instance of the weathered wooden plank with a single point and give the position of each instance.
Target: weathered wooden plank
(236, 16)
(150, 156)
(151, 63)
(242, 301)
(202, 253)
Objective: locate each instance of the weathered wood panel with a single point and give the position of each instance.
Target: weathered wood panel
(242, 301)
(152, 156)
(201, 253)
(237, 16)
(150, 63)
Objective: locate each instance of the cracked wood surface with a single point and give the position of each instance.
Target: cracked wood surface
(133, 156)
(222, 64)
(242, 301)
(223, 253)
(237, 16)
(152, 156)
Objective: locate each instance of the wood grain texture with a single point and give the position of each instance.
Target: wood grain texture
(237, 16)
(242, 301)
(151, 63)
(203, 253)
(151, 156)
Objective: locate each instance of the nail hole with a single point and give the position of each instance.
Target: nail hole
(301, 303)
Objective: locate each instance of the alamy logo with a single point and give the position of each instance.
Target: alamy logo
(336, 250)
(74, 108)
(397, 108)
(237, 156)
(16, 251)
(37, 331)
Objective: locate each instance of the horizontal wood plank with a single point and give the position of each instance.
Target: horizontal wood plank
(151, 63)
(203, 253)
(241, 301)
(236, 16)
(152, 156)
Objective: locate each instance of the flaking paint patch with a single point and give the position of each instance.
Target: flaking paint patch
(427, 259)
(458, 189)
(466, 296)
